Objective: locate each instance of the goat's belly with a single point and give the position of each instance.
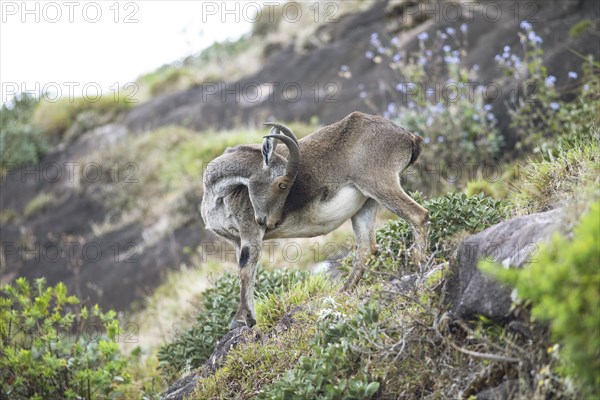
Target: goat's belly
(322, 217)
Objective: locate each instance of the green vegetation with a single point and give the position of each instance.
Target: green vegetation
(569, 171)
(272, 307)
(582, 27)
(221, 62)
(320, 322)
(54, 348)
(39, 203)
(541, 114)
(333, 367)
(193, 347)
(166, 79)
(485, 187)
(20, 141)
(54, 118)
(253, 362)
(384, 340)
(377, 342)
(449, 215)
(562, 286)
(457, 126)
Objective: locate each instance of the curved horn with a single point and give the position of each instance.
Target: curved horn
(293, 159)
(283, 129)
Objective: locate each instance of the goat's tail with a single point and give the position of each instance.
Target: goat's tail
(417, 142)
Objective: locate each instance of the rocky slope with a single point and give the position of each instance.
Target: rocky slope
(121, 265)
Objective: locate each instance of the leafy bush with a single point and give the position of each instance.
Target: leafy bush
(54, 348)
(563, 285)
(448, 215)
(192, 348)
(433, 96)
(20, 141)
(333, 370)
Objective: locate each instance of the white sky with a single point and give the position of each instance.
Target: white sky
(37, 54)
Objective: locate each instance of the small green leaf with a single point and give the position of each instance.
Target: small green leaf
(371, 389)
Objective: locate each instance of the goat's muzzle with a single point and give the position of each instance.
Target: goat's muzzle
(261, 221)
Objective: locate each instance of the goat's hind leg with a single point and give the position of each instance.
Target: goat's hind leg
(363, 224)
(396, 200)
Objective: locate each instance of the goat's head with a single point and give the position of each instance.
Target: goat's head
(269, 188)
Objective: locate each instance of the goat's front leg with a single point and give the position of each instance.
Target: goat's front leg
(248, 255)
(363, 224)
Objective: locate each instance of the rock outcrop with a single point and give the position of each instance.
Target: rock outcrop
(512, 243)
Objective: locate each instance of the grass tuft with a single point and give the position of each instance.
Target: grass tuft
(54, 118)
(38, 204)
(272, 307)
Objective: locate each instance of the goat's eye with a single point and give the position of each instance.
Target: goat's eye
(282, 186)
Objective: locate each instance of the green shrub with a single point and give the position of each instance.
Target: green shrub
(20, 141)
(54, 348)
(54, 118)
(457, 212)
(333, 369)
(449, 215)
(39, 203)
(192, 348)
(563, 286)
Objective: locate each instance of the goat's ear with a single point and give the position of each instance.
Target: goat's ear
(268, 148)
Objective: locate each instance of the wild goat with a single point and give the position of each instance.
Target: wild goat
(309, 188)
